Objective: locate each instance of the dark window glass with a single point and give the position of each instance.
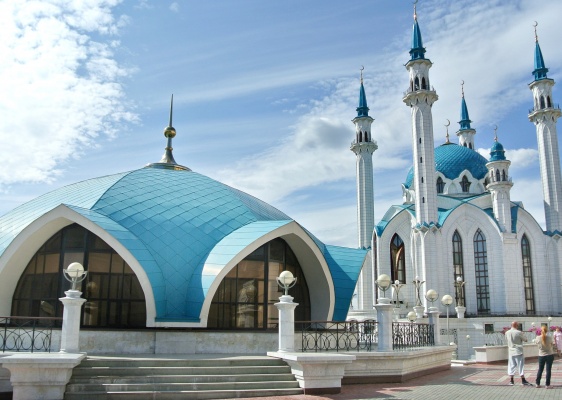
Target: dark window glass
(397, 260)
(440, 185)
(527, 275)
(247, 295)
(481, 270)
(458, 266)
(113, 292)
(465, 184)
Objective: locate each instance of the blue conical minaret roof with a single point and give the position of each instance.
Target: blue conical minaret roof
(362, 109)
(417, 52)
(465, 120)
(540, 69)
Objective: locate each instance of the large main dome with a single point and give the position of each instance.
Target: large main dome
(451, 160)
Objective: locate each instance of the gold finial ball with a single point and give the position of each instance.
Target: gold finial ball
(170, 132)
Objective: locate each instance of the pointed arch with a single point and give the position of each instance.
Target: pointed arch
(527, 275)
(548, 103)
(458, 267)
(542, 102)
(481, 273)
(440, 185)
(397, 259)
(465, 184)
(497, 175)
(416, 83)
(504, 175)
(423, 84)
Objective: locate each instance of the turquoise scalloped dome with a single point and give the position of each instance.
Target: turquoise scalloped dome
(451, 160)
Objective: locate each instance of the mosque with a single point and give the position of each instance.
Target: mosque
(167, 247)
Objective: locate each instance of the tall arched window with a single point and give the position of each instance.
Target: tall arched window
(247, 295)
(440, 185)
(416, 83)
(423, 84)
(458, 264)
(527, 275)
(504, 175)
(542, 102)
(481, 272)
(548, 103)
(465, 184)
(397, 260)
(114, 296)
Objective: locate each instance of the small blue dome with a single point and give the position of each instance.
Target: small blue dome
(451, 160)
(497, 153)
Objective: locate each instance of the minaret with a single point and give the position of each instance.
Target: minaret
(544, 115)
(420, 98)
(465, 133)
(500, 185)
(167, 161)
(363, 146)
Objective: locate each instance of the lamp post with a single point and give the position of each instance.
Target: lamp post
(383, 283)
(433, 314)
(419, 308)
(432, 296)
(75, 274)
(397, 286)
(447, 300)
(286, 308)
(411, 316)
(72, 303)
(460, 308)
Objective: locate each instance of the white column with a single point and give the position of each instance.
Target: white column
(70, 333)
(286, 309)
(384, 320)
(433, 314)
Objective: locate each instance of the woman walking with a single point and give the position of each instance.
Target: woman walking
(546, 356)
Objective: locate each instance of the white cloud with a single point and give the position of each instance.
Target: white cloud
(64, 87)
(175, 7)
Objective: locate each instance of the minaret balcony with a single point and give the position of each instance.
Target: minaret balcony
(555, 107)
(411, 94)
(358, 147)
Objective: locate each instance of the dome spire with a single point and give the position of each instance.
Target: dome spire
(362, 109)
(540, 69)
(447, 134)
(167, 161)
(417, 51)
(465, 120)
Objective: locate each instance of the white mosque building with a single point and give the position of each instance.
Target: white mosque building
(458, 219)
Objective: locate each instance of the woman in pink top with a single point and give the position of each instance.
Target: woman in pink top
(558, 340)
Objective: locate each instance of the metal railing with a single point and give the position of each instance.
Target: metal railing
(338, 336)
(406, 335)
(31, 334)
(498, 338)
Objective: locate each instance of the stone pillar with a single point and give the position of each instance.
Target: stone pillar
(433, 314)
(460, 311)
(384, 319)
(286, 309)
(70, 333)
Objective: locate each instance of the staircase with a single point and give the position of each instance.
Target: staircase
(177, 377)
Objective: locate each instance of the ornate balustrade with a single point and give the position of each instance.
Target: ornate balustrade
(406, 335)
(338, 336)
(31, 334)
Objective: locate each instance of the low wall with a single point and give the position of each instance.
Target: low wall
(494, 354)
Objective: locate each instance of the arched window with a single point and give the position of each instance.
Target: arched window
(411, 86)
(465, 184)
(548, 103)
(416, 83)
(423, 84)
(397, 260)
(246, 297)
(114, 296)
(481, 272)
(440, 185)
(422, 179)
(504, 175)
(527, 275)
(458, 265)
(421, 160)
(542, 102)
(497, 175)
(470, 145)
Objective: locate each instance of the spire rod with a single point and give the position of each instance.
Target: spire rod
(462, 88)
(536, 36)
(496, 133)
(447, 128)
(171, 109)
(361, 69)
(415, 13)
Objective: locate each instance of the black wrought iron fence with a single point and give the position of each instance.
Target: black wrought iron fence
(338, 336)
(27, 333)
(408, 335)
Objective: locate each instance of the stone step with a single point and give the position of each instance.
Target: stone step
(182, 378)
(166, 370)
(183, 395)
(152, 362)
(176, 387)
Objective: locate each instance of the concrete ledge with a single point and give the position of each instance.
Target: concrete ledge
(397, 366)
(40, 376)
(498, 354)
(317, 373)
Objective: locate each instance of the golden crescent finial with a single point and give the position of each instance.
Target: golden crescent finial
(415, 13)
(447, 128)
(448, 123)
(536, 36)
(462, 88)
(361, 69)
(496, 133)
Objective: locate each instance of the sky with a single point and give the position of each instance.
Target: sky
(264, 93)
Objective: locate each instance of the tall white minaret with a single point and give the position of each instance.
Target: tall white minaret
(363, 146)
(544, 115)
(500, 185)
(420, 97)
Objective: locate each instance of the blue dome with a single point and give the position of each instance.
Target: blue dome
(451, 160)
(497, 153)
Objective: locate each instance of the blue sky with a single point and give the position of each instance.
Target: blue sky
(264, 93)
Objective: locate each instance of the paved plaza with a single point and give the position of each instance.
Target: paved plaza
(475, 381)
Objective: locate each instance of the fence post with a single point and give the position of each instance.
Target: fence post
(286, 309)
(70, 332)
(433, 314)
(384, 319)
